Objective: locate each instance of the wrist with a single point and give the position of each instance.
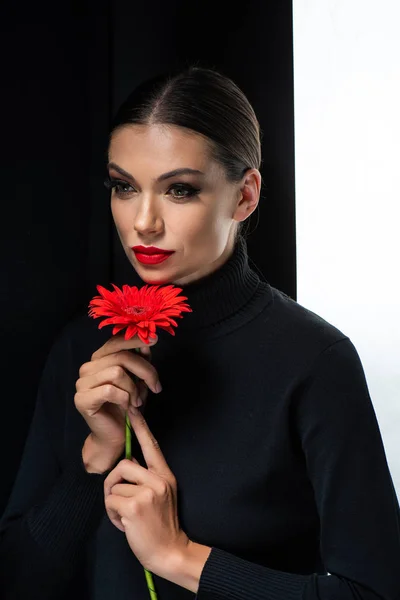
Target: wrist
(95, 458)
(188, 565)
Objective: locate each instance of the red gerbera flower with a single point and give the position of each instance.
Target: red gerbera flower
(139, 310)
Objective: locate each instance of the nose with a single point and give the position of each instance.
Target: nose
(147, 219)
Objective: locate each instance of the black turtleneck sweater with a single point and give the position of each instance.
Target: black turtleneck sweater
(266, 422)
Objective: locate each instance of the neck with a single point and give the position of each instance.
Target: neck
(222, 300)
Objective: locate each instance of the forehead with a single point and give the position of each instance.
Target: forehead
(167, 145)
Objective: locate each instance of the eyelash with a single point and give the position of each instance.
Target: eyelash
(111, 183)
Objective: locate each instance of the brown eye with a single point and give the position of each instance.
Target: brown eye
(121, 187)
(183, 190)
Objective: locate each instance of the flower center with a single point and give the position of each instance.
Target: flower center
(135, 310)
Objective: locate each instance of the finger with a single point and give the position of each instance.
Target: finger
(151, 450)
(146, 351)
(143, 393)
(114, 374)
(119, 378)
(134, 363)
(117, 343)
(129, 471)
(127, 490)
(90, 401)
(117, 508)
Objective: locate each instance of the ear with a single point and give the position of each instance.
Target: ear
(249, 195)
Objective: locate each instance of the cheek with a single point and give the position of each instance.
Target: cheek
(195, 226)
(120, 216)
(204, 235)
(204, 217)
(212, 222)
(114, 212)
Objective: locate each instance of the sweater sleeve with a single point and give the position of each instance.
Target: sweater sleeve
(52, 510)
(354, 493)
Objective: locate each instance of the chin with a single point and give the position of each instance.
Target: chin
(156, 281)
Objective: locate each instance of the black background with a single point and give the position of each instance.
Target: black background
(66, 66)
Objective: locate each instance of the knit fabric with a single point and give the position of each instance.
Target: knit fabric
(266, 421)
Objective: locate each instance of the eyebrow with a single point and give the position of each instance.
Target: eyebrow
(168, 175)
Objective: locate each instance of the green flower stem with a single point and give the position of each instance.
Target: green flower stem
(150, 584)
(128, 438)
(128, 454)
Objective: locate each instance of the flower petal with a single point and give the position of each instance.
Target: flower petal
(141, 311)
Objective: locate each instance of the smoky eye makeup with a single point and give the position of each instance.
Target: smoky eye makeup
(183, 190)
(119, 184)
(178, 190)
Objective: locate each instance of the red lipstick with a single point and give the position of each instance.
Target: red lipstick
(151, 255)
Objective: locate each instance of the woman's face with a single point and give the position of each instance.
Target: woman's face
(192, 213)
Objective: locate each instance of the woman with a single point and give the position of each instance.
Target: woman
(259, 470)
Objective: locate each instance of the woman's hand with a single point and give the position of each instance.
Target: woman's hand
(143, 504)
(104, 392)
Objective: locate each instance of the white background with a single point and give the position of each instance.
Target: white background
(347, 162)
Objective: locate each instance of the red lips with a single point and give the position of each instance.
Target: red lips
(151, 255)
(151, 250)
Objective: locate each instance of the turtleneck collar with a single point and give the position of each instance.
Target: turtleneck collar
(223, 300)
(222, 293)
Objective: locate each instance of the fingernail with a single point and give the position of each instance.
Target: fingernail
(138, 402)
(158, 387)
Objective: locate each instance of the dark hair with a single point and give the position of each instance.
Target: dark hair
(206, 102)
